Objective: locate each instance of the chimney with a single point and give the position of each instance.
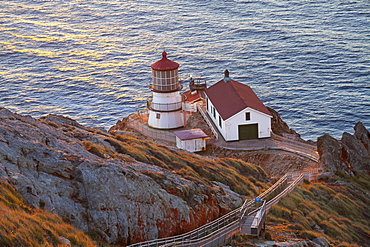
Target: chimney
(227, 76)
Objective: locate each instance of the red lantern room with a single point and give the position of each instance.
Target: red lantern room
(165, 75)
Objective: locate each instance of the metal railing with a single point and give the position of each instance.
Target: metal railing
(303, 149)
(271, 190)
(214, 131)
(294, 142)
(285, 192)
(199, 233)
(164, 107)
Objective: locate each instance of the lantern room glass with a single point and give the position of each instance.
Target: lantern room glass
(166, 80)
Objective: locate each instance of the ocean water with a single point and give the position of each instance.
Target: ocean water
(89, 59)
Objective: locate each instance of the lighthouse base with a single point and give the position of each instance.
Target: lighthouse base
(166, 120)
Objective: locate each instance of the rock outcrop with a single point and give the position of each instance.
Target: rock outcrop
(111, 195)
(351, 153)
(281, 128)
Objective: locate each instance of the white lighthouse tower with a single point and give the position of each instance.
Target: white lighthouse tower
(165, 108)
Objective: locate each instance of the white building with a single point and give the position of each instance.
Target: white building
(193, 140)
(237, 111)
(165, 108)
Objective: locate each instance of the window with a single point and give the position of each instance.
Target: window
(158, 116)
(247, 116)
(207, 103)
(214, 112)
(219, 121)
(165, 80)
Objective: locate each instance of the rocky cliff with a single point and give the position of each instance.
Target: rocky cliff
(117, 187)
(281, 128)
(351, 153)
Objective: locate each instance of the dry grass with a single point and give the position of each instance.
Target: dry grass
(98, 150)
(240, 176)
(337, 210)
(21, 225)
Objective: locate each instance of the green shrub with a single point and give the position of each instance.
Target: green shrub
(344, 206)
(331, 229)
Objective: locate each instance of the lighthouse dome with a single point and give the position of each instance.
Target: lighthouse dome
(164, 63)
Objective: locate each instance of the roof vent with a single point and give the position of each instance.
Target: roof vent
(227, 76)
(164, 55)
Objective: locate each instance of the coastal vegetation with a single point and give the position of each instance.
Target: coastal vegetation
(242, 177)
(91, 178)
(336, 209)
(22, 225)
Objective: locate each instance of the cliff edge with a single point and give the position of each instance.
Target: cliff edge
(120, 188)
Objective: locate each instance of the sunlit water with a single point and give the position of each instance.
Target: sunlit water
(89, 59)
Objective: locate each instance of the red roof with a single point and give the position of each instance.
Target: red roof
(231, 97)
(190, 134)
(191, 96)
(164, 63)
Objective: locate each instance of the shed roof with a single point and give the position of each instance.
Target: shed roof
(230, 97)
(190, 134)
(191, 96)
(164, 63)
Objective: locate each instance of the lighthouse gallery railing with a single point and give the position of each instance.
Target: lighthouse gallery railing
(164, 107)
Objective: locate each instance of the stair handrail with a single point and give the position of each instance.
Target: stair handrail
(286, 191)
(200, 109)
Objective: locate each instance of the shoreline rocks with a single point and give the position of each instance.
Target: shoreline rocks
(351, 153)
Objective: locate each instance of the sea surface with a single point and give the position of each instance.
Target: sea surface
(90, 59)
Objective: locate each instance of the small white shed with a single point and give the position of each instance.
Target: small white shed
(193, 140)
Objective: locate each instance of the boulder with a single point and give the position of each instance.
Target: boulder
(330, 151)
(351, 153)
(363, 135)
(321, 242)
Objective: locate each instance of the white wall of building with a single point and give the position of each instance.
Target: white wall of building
(166, 111)
(256, 117)
(216, 118)
(192, 145)
(166, 120)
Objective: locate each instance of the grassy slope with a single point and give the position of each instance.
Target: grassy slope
(240, 176)
(337, 210)
(21, 225)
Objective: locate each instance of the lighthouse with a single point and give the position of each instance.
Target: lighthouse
(165, 108)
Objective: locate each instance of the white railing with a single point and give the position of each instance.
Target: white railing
(285, 192)
(197, 234)
(214, 131)
(303, 149)
(165, 107)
